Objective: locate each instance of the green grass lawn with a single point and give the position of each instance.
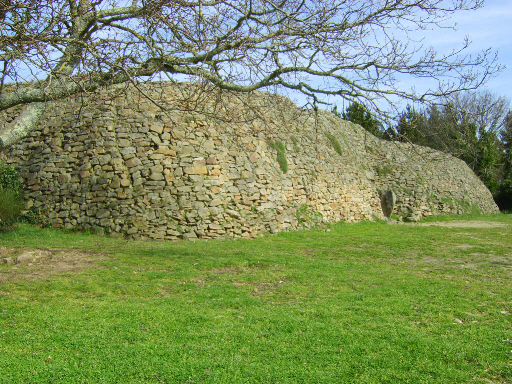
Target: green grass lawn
(358, 303)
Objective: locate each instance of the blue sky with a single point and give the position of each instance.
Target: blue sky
(487, 27)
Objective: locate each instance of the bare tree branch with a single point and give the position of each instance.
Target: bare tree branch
(355, 49)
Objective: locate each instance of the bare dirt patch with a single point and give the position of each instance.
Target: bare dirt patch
(231, 269)
(32, 264)
(261, 288)
(473, 261)
(464, 246)
(464, 224)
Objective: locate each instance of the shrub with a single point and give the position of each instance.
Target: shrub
(35, 217)
(11, 205)
(9, 178)
(11, 196)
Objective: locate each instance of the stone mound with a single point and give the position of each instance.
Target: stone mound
(171, 162)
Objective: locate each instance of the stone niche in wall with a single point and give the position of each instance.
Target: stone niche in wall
(172, 162)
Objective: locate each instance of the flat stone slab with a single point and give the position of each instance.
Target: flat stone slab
(24, 257)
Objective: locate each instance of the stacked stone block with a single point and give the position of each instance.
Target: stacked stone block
(136, 165)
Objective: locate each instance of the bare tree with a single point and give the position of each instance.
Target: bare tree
(50, 49)
(485, 109)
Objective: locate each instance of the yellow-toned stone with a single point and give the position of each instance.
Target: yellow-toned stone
(125, 182)
(196, 170)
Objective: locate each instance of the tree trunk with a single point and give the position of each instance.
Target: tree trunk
(21, 126)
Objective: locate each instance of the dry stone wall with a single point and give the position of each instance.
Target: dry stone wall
(116, 162)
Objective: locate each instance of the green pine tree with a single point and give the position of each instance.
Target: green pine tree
(359, 114)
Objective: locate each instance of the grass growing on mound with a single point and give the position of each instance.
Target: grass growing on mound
(281, 154)
(335, 143)
(362, 303)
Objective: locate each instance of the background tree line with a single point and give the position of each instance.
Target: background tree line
(473, 126)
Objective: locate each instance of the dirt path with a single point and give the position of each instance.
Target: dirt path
(464, 224)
